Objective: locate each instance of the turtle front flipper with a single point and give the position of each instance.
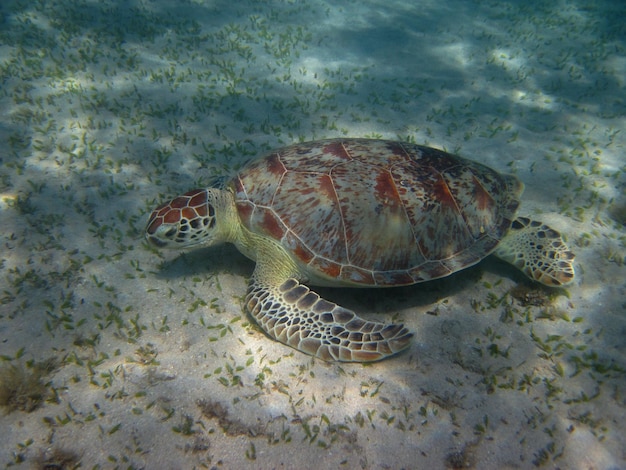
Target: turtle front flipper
(538, 251)
(294, 315)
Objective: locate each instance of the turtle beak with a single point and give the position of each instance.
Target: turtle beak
(155, 241)
(162, 235)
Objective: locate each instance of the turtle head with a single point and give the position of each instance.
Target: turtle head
(186, 220)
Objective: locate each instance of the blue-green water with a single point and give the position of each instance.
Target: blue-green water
(114, 355)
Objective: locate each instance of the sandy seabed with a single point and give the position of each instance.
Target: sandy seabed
(114, 355)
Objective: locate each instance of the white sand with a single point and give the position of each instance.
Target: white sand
(108, 110)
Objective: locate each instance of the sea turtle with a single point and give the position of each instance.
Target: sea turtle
(357, 213)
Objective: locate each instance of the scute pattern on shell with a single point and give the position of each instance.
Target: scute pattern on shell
(375, 212)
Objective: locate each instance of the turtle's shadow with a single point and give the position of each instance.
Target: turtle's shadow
(421, 295)
(227, 259)
(211, 260)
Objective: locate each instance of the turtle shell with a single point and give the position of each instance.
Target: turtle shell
(376, 212)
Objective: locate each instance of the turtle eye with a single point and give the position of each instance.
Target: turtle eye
(171, 232)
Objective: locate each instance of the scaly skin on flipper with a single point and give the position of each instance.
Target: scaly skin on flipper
(298, 317)
(538, 251)
(291, 313)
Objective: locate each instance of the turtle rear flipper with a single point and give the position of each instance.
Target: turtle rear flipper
(294, 315)
(538, 251)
